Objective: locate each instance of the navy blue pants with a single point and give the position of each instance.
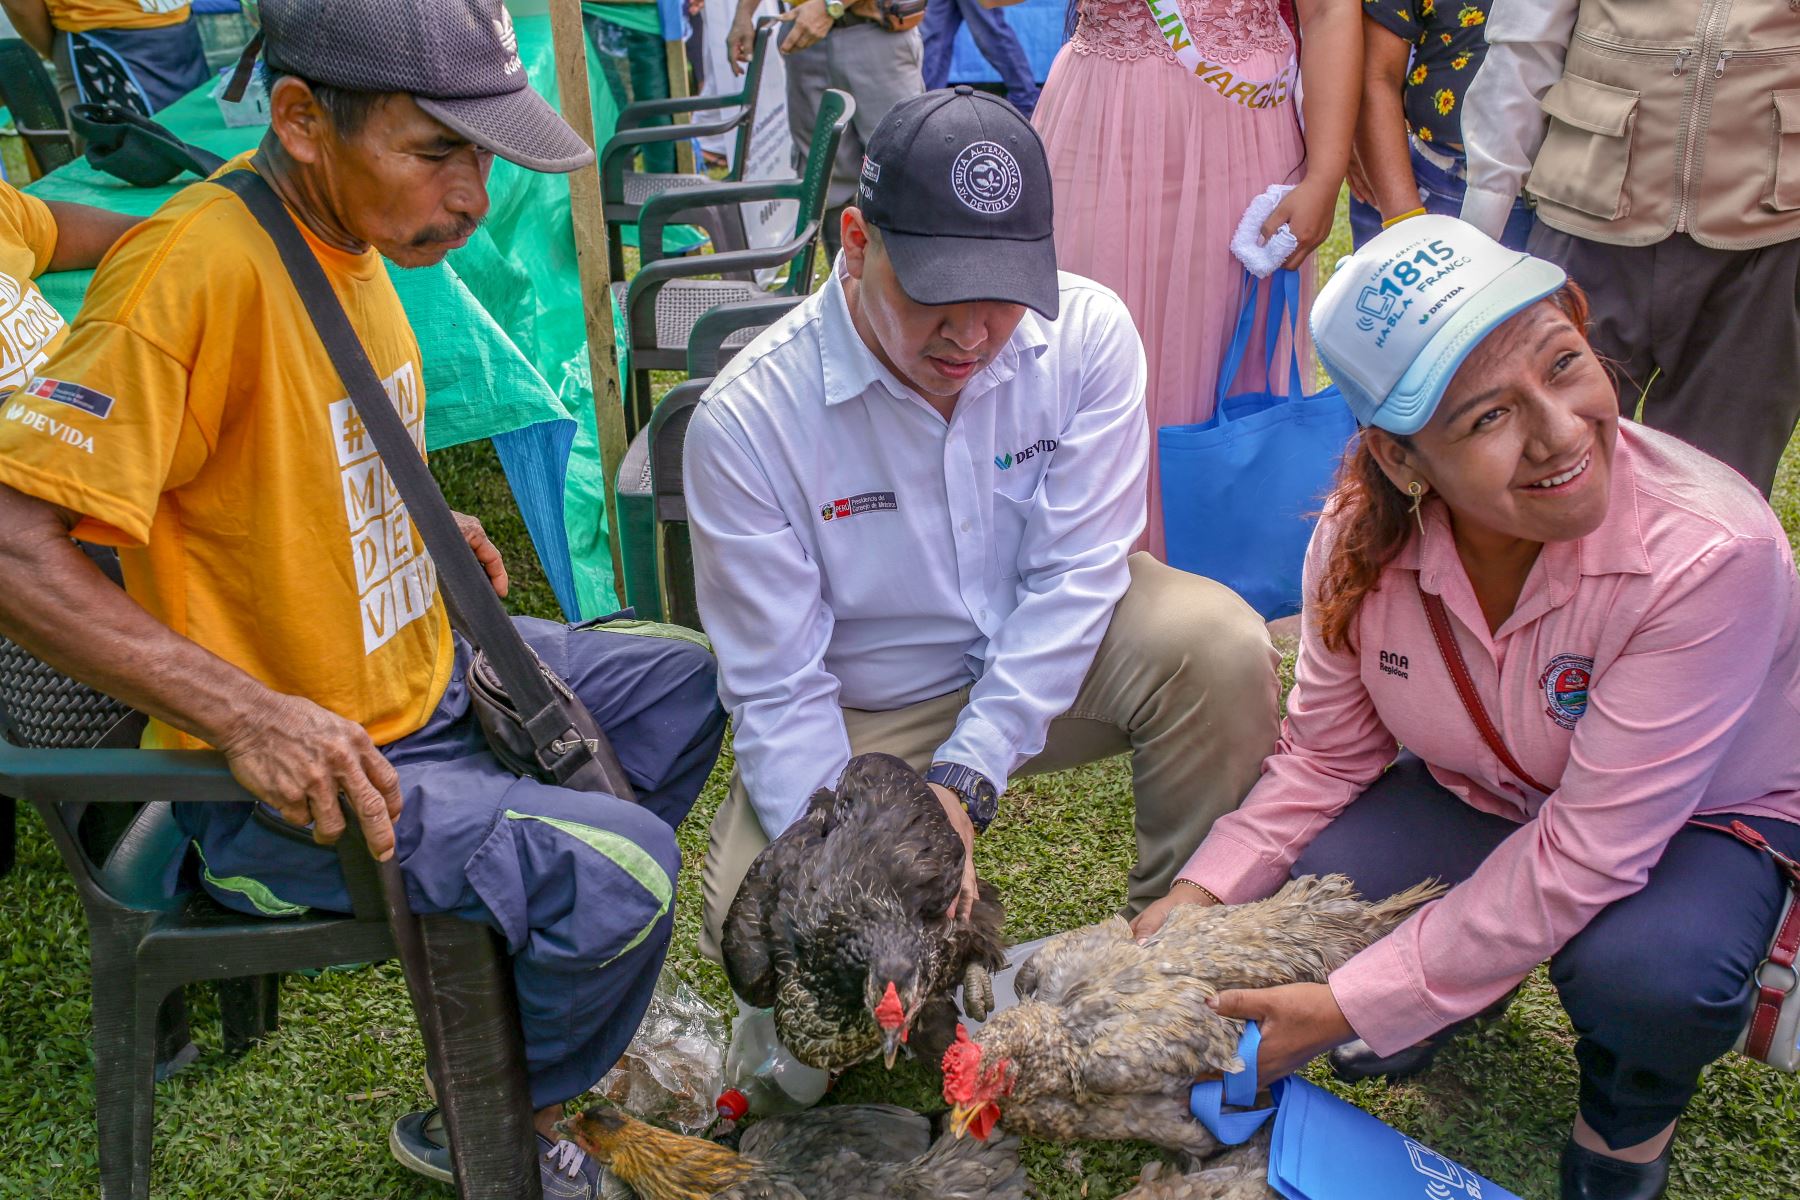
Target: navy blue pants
(993, 37)
(1657, 986)
(582, 885)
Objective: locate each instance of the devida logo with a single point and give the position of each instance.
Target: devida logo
(1006, 462)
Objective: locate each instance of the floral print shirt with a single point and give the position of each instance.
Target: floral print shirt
(1448, 40)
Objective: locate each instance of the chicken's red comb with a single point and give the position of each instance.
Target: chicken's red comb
(962, 1064)
(890, 1013)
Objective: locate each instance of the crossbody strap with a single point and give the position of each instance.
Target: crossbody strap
(1445, 638)
(1776, 978)
(467, 593)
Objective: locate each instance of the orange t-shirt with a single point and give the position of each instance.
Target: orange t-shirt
(29, 328)
(79, 16)
(195, 421)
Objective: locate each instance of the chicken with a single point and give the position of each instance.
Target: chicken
(1108, 1036)
(1238, 1174)
(849, 1152)
(841, 925)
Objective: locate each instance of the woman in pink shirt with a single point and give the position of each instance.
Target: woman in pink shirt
(1629, 612)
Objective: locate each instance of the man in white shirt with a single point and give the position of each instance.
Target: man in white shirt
(912, 504)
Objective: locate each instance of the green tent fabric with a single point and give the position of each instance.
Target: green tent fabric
(499, 323)
(639, 18)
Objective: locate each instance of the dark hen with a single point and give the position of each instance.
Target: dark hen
(853, 1152)
(841, 928)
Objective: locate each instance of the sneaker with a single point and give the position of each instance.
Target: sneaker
(420, 1143)
(566, 1172)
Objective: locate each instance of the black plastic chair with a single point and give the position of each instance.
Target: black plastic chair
(665, 300)
(28, 91)
(659, 560)
(108, 812)
(625, 191)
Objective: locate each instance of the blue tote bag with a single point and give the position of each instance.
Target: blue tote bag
(1323, 1148)
(1238, 490)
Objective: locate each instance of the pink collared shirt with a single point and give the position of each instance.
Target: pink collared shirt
(1650, 672)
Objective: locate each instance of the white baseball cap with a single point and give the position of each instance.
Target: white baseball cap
(1402, 313)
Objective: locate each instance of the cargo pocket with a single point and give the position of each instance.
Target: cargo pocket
(1587, 148)
(1784, 187)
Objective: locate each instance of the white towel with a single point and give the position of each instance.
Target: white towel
(1263, 258)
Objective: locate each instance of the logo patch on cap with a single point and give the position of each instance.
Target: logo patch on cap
(509, 41)
(986, 178)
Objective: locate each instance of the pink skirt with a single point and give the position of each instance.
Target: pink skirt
(1151, 170)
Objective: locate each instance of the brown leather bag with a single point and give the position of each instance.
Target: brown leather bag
(895, 16)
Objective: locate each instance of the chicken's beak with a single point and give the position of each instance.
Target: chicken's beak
(562, 1127)
(961, 1117)
(890, 1045)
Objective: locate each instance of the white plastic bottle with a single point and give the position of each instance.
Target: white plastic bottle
(761, 1077)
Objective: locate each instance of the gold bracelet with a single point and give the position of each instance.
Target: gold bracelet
(1207, 892)
(1405, 216)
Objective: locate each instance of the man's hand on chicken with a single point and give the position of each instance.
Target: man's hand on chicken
(965, 829)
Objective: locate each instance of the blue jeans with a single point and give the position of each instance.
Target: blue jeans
(1657, 986)
(993, 37)
(1440, 192)
(580, 884)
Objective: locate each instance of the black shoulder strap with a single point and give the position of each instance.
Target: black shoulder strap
(469, 595)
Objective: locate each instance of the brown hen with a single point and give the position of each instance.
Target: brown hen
(841, 1152)
(1109, 1036)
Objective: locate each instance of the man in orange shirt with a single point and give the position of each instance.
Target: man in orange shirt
(142, 54)
(279, 604)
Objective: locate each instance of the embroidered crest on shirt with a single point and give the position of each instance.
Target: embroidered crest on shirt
(1565, 684)
(395, 578)
(849, 506)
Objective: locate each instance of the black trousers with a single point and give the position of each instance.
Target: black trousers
(1657, 986)
(1709, 338)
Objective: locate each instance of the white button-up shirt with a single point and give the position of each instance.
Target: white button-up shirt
(854, 549)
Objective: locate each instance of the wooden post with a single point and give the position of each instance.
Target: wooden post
(675, 54)
(588, 216)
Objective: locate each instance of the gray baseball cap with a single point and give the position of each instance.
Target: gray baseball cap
(459, 59)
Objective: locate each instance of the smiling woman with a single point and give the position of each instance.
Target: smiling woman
(1516, 584)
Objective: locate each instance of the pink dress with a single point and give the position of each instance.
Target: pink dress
(1153, 166)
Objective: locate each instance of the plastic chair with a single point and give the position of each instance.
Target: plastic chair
(659, 561)
(28, 91)
(108, 812)
(666, 299)
(625, 191)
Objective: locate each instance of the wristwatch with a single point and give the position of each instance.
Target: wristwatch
(834, 9)
(976, 792)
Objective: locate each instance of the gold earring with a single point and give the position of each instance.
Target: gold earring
(1416, 490)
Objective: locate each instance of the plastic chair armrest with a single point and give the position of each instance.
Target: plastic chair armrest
(647, 282)
(135, 776)
(616, 155)
(659, 212)
(631, 116)
(718, 324)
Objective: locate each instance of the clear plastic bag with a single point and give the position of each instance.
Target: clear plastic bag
(674, 1068)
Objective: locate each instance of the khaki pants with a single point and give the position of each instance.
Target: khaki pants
(1185, 680)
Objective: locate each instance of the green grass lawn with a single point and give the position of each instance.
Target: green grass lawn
(305, 1116)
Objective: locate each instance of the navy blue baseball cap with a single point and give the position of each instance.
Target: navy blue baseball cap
(958, 184)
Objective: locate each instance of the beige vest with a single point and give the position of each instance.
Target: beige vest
(1675, 115)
